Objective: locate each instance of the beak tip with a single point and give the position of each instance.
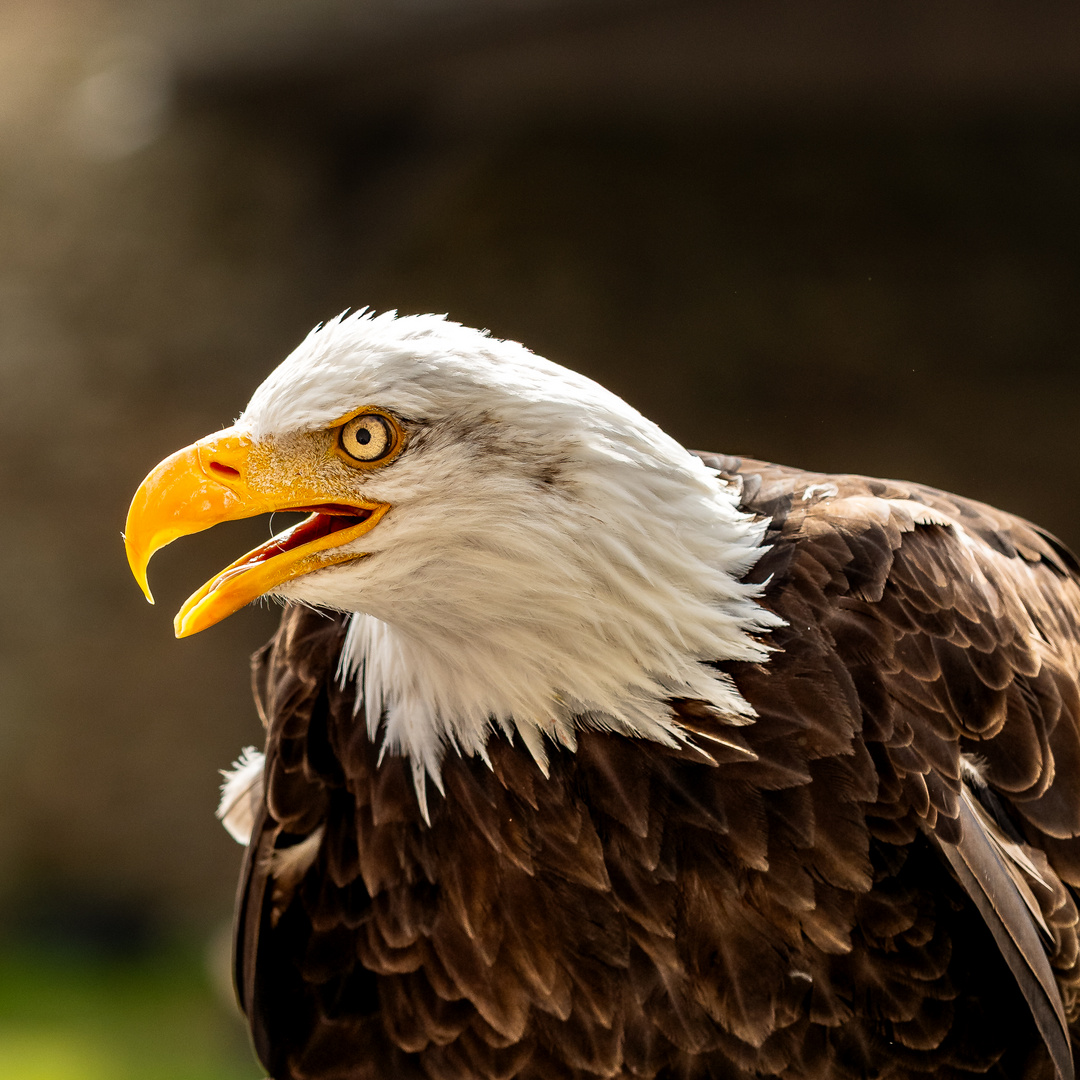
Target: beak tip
(137, 564)
(144, 585)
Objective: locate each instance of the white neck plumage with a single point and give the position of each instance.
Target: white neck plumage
(595, 619)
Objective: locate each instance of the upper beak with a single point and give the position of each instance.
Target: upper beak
(211, 481)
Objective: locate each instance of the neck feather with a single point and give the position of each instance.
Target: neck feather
(600, 626)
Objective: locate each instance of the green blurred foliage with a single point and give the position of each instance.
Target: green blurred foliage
(71, 1016)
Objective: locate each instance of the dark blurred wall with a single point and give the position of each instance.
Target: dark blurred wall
(840, 235)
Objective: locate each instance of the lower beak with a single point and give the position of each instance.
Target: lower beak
(212, 481)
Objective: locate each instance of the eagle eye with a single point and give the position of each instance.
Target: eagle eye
(368, 438)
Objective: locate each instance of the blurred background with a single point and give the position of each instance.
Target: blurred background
(832, 233)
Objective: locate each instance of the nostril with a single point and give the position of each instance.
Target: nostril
(224, 470)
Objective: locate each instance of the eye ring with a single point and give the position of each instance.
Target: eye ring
(368, 438)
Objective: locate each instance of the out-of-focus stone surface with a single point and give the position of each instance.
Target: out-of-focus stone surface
(838, 238)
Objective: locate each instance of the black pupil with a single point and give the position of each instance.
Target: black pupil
(363, 436)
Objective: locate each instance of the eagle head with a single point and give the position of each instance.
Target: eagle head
(519, 548)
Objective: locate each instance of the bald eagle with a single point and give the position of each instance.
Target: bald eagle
(589, 756)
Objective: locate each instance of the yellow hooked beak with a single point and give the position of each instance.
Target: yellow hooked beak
(222, 478)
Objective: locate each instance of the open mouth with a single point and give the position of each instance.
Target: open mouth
(312, 544)
(324, 521)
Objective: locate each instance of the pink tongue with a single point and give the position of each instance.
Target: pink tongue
(324, 520)
(313, 528)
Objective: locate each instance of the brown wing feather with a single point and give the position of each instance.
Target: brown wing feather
(973, 625)
(988, 882)
(770, 900)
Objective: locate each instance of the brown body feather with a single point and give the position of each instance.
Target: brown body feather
(778, 899)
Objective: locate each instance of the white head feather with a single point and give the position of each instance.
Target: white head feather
(552, 558)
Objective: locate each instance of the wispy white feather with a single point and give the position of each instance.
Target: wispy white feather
(241, 794)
